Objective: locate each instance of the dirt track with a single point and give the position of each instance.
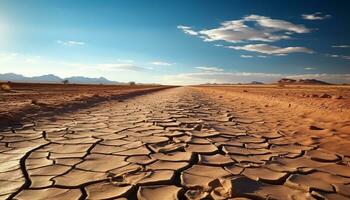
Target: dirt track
(176, 143)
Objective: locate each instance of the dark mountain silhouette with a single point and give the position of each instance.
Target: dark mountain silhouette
(256, 83)
(13, 77)
(313, 81)
(50, 78)
(85, 80)
(303, 81)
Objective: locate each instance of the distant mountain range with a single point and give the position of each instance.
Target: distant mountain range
(303, 81)
(50, 78)
(256, 83)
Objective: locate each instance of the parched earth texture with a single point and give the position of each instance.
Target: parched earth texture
(175, 144)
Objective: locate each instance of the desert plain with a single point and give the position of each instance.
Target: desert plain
(193, 142)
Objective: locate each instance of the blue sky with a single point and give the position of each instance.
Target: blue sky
(177, 42)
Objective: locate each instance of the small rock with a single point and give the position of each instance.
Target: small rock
(315, 128)
(245, 90)
(325, 95)
(34, 101)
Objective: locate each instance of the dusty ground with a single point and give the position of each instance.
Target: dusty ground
(307, 96)
(295, 110)
(28, 100)
(181, 143)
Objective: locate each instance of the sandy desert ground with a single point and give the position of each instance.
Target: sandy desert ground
(203, 142)
(28, 100)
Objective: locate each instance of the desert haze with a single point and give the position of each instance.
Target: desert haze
(172, 100)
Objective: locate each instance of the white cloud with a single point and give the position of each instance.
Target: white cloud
(341, 46)
(161, 63)
(246, 56)
(33, 65)
(271, 50)
(42, 63)
(8, 56)
(338, 56)
(245, 77)
(120, 67)
(70, 43)
(220, 77)
(3, 55)
(332, 55)
(188, 30)
(264, 29)
(210, 69)
(22, 58)
(277, 24)
(261, 56)
(315, 16)
(310, 68)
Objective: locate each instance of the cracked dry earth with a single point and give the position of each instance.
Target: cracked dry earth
(175, 144)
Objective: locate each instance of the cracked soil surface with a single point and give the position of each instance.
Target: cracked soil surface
(179, 143)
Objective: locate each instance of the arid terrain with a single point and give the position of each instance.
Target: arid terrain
(28, 100)
(198, 142)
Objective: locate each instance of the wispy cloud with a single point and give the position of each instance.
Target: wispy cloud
(41, 62)
(246, 56)
(8, 56)
(161, 63)
(278, 25)
(103, 66)
(246, 77)
(210, 69)
(333, 55)
(34, 65)
(23, 58)
(188, 30)
(315, 16)
(271, 50)
(310, 68)
(263, 29)
(70, 43)
(220, 77)
(120, 67)
(338, 56)
(341, 46)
